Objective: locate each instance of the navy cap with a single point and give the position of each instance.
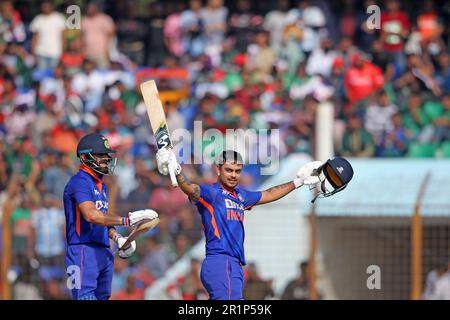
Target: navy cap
(338, 172)
(94, 143)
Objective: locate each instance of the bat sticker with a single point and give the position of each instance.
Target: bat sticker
(162, 137)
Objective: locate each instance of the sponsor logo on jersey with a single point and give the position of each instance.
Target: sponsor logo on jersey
(235, 211)
(229, 204)
(234, 215)
(101, 205)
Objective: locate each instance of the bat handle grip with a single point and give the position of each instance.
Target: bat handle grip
(173, 178)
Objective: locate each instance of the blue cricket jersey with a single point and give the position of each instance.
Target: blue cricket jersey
(222, 216)
(86, 185)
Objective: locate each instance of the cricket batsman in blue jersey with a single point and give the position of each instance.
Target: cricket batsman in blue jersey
(89, 226)
(222, 207)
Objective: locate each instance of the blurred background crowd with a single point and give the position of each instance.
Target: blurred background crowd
(233, 64)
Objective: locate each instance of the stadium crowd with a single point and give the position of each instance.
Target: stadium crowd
(238, 64)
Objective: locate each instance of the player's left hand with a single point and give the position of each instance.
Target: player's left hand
(141, 216)
(125, 253)
(162, 160)
(305, 174)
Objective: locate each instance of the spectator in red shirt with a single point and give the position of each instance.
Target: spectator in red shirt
(64, 138)
(362, 79)
(428, 23)
(395, 28)
(73, 58)
(430, 29)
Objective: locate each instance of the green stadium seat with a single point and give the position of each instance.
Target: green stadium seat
(418, 150)
(433, 109)
(445, 150)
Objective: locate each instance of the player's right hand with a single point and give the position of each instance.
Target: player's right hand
(124, 253)
(139, 216)
(164, 159)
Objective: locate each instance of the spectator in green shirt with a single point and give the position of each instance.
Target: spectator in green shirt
(416, 120)
(129, 97)
(357, 141)
(298, 79)
(21, 226)
(18, 159)
(442, 124)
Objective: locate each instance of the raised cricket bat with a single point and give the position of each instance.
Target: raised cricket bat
(157, 118)
(140, 229)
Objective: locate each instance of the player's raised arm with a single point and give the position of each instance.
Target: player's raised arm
(192, 190)
(304, 176)
(166, 158)
(278, 192)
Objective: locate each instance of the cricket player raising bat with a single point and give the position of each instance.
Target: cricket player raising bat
(89, 226)
(222, 207)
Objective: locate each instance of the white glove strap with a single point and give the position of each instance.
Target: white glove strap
(177, 169)
(298, 182)
(116, 237)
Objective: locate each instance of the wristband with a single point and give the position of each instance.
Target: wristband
(298, 182)
(125, 221)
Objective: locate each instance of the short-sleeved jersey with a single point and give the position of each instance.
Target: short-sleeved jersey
(222, 216)
(85, 186)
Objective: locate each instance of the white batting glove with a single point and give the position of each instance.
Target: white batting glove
(164, 159)
(124, 253)
(136, 217)
(304, 174)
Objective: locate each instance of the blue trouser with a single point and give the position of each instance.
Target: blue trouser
(46, 63)
(90, 270)
(223, 277)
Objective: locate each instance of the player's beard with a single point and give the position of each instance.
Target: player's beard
(104, 170)
(103, 167)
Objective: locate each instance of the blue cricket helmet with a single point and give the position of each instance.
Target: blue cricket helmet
(94, 143)
(335, 174)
